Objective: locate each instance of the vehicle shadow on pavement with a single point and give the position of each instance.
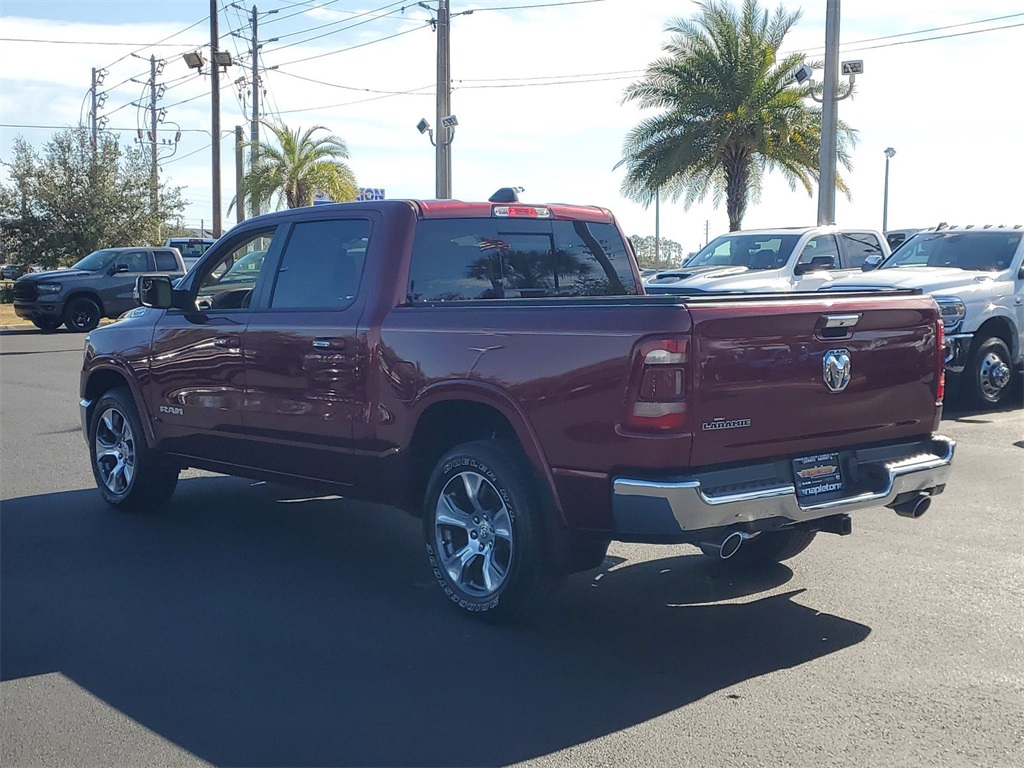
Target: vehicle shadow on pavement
(252, 627)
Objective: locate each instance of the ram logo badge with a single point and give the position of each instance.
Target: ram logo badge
(172, 410)
(835, 369)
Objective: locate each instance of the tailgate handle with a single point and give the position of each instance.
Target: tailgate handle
(841, 321)
(837, 326)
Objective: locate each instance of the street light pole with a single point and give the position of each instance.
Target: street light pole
(215, 121)
(889, 152)
(829, 118)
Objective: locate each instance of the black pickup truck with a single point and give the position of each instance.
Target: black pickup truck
(100, 285)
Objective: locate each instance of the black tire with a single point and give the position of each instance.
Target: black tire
(47, 325)
(505, 570)
(82, 314)
(987, 380)
(128, 474)
(767, 548)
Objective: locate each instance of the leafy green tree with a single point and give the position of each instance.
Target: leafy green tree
(670, 253)
(69, 200)
(292, 167)
(729, 112)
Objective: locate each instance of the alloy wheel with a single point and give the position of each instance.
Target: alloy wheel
(115, 451)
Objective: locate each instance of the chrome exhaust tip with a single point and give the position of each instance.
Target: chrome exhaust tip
(914, 508)
(727, 547)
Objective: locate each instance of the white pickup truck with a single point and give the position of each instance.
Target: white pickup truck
(776, 260)
(976, 275)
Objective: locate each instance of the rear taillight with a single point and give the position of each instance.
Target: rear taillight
(658, 386)
(940, 387)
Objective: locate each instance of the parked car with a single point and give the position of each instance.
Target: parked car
(794, 259)
(976, 274)
(100, 285)
(190, 248)
(10, 272)
(493, 370)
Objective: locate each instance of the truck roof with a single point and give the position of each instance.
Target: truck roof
(458, 209)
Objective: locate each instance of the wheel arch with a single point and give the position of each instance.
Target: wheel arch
(85, 293)
(1000, 327)
(112, 374)
(459, 412)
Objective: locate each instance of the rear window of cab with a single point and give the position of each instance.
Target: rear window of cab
(508, 258)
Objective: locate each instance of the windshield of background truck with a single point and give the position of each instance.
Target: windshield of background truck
(750, 251)
(986, 251)
(95, 261)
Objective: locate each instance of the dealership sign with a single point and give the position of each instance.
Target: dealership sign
(363, 194)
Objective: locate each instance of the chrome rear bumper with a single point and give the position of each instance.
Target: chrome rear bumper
(649, 509)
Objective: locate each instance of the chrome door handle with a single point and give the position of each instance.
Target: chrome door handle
(228, 342)
(328, 344)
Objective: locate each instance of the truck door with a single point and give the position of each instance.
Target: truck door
(306, 362)
(818, 264)
(197, 373)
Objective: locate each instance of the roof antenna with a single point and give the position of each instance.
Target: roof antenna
(506, 195)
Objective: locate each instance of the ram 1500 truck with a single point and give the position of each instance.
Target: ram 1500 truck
(496, 370)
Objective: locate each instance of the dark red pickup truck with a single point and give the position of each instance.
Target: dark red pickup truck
(493, 369)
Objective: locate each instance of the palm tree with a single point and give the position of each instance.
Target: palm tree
(294, 167)
(730, 112)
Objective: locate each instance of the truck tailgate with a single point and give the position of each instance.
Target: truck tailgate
(765, 384)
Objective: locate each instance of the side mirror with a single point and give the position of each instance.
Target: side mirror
(117, 268)
(871, 262)
(154, 291)
(816, 263)
(1020, 273)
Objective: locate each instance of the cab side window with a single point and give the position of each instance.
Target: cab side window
(136, 261)
(228, 283)
(322, 265)
(857, 246)
(165, 261)
(822, 246)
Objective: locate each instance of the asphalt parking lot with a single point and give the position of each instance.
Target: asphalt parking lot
(252, 625)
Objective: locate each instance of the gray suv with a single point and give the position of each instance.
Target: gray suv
(100, 285)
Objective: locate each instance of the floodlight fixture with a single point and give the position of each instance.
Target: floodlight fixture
(194, 59)
(222, 58)
(423, 126)
(449, 121)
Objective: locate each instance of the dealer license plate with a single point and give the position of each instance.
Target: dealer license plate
(815, 475)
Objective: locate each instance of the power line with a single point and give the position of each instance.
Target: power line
(159, 42)
(413, 92)
(354, 47)
(930, 29)
(525, 7)
(93, 42)
(336, 85)
(340, 21)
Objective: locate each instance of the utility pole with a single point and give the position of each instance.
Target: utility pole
(707, 231)
(93, 132)
(829, 118)
(153, 179)
(254, 125)
(239, 175)
(444, 95)
(215, 121)
(889, 152)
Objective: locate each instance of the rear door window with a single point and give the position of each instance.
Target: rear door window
(165, 261)
(857, 246)
(467, 259)
(322, 265)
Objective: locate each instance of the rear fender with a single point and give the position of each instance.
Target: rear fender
(505, 404)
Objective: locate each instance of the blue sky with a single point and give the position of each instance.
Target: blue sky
(538, 95)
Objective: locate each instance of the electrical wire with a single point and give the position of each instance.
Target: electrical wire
(412, 92)
(160, 42)
(354, 47)
(336, 85)
(340, 21)
(93, 42)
